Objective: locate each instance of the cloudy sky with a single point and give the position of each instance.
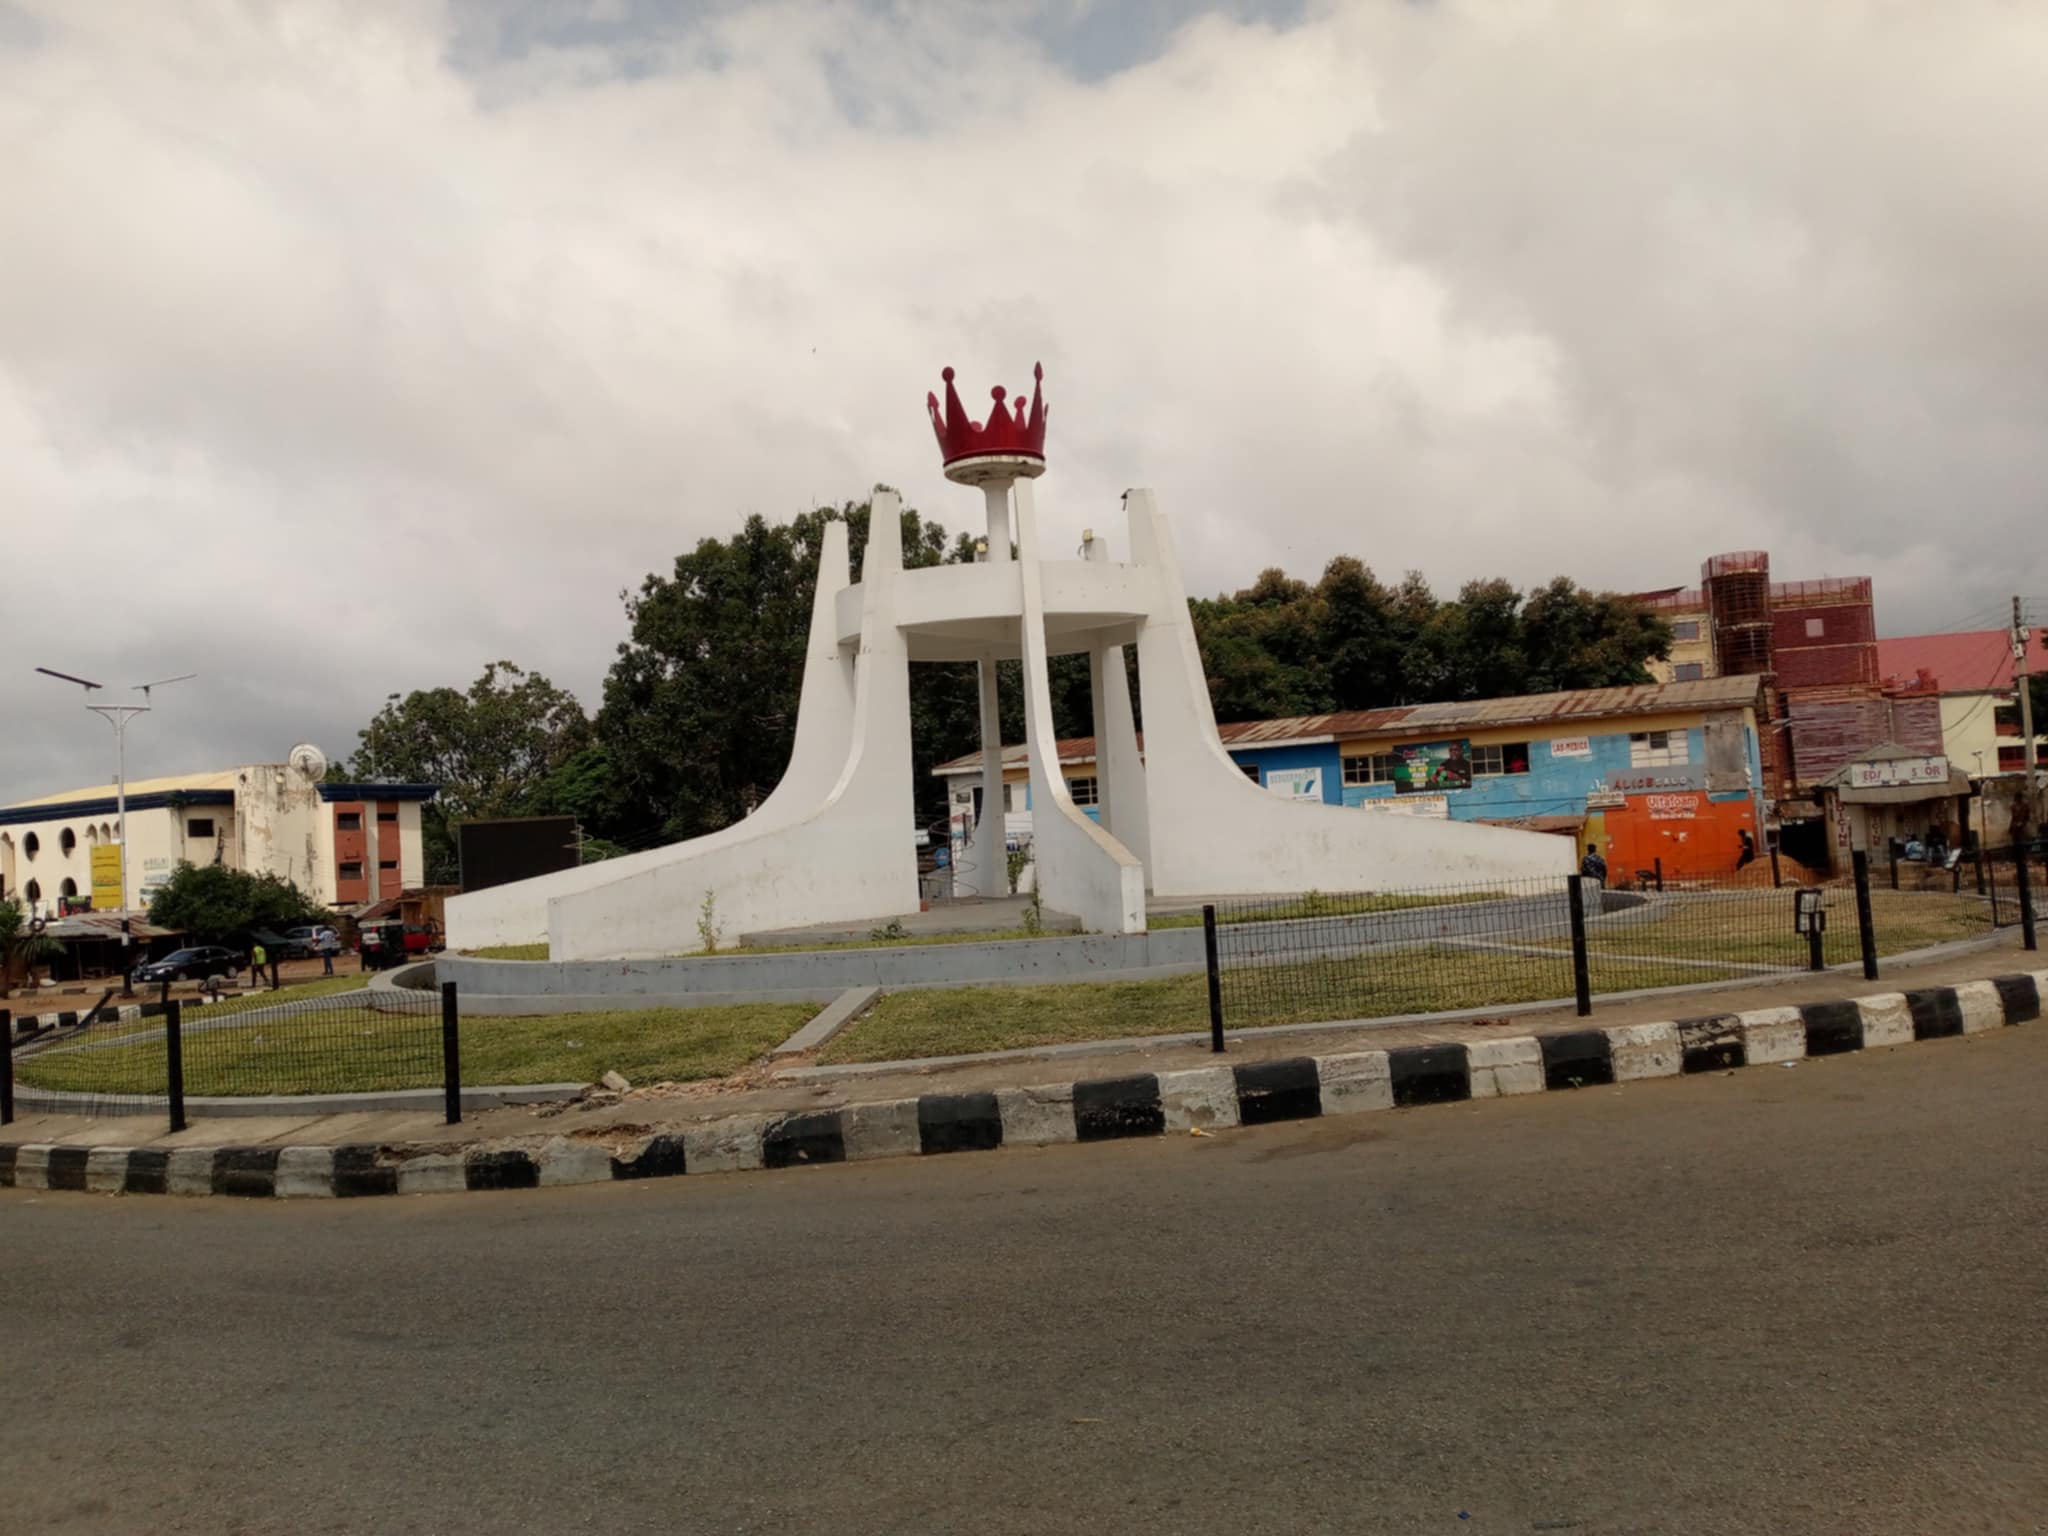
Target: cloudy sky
(345, 348)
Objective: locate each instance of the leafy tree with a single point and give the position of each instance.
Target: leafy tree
(211, 903)
(501, 749)
(22, 949)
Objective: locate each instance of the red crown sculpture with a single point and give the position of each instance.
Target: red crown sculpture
(1010, 431)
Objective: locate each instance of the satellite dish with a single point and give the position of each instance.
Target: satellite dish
(309, 760)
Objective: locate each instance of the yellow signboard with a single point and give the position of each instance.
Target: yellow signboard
(106, 877)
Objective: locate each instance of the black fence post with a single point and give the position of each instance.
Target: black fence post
(1866, 926)
(1215, 979)
(2024, 877)
(6, 1066)
(1657, 864)
(1896, 849)
(174, 1063)
(1582, 974)
(451, 1052)
(276, 968)
(1816, 946)
(1777, 874)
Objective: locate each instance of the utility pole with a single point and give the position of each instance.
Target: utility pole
(2021, 639)
(118, 716)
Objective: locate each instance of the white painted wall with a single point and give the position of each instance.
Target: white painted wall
(518, 913)
(1215, 833)
(850, 858)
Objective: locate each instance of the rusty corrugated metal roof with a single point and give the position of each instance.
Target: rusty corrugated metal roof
(1421, 721)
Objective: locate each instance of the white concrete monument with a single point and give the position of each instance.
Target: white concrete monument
(836, 841)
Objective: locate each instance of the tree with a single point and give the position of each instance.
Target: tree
(500, 749)
(210, 903)
(22, 947)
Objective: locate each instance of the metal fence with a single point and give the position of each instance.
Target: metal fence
(1456, 948)
(181, 1056)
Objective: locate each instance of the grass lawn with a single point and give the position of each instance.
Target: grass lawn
(1425, 979)
(320, 986)
(1756, 928)
(359, 1052)
(510, 952)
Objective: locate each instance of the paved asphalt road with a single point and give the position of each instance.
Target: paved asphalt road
(1806, 1300)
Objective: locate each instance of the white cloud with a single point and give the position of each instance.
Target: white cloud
(342, 350)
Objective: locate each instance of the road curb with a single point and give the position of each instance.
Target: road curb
(1218, 1097)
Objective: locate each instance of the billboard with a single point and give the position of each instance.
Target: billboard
(1432, 766)
(516, 848)
(106, 877)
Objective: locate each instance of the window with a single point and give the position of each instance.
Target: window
(1376, 768)
(68, 888)
(66, 841)
(1250, 771)
(2012, 759)
(387, 815)
(1500, 757)
(199, 826)
(387, 863)
(350, 871)
(1083, 791)
(33, 890)
(1688, 672)
(348, 821)
(1013, 794)
(1685, 629)
(1815, 628)
(1657, 749)
(31, 845)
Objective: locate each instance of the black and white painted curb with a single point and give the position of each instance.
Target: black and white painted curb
(1150, 1104)
(125, 1013)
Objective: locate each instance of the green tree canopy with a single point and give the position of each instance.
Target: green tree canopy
(210, 903)
(513, 745)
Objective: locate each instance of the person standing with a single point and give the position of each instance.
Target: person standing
(258, 958)
(330, 943)
(1592, 866)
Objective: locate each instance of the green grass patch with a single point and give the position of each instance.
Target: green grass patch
(1380, 984)
(362, 1051)
(1755, 928)
(510, 952)
(323, 986)
(1316, 904)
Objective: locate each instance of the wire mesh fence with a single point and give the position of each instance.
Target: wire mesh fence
(1455, 948)
(349, 1042)
(2002, 873)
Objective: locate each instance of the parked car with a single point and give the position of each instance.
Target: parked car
(195, 964)
(304, 943)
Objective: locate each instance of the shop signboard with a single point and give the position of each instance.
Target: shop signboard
(1905, 770)
(1572, 746)
(1436, 807)
(1295, 783)
(106, 877)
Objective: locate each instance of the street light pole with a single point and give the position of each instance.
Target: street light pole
(118, 716)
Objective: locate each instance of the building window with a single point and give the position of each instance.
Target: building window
(1688, 672)
(1500, 757)
(348, 821)
(387, 815)
(31, 845)
(33, 890)
(350, 871)
(68, 888)
(66, 841)
(1658, 749)
(387, 863)
(2012, 759)
(199, 826)
(1083, 791)
(1815, 628)
(1374, 768)
(1685, 629)
(1250, 771)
